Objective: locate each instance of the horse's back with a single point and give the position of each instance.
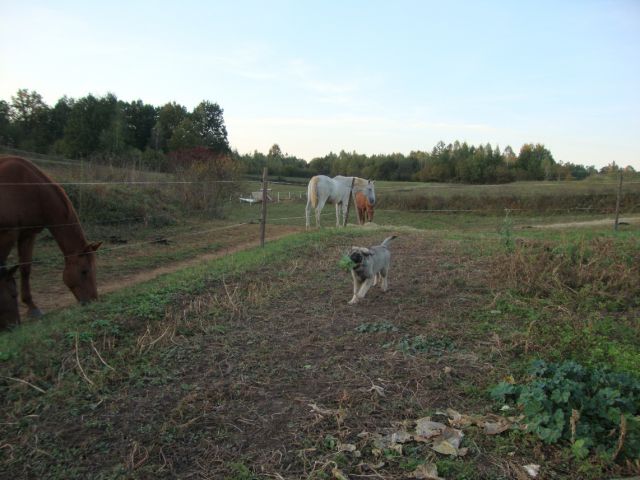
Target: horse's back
(25, 192)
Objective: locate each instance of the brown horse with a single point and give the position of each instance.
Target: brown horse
(9, 313)
(364, 208)
(29, 202)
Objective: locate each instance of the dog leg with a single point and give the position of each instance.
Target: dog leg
(356, 287)
(364, 288)
(385, 284)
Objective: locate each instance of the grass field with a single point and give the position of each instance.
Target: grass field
(249, 363)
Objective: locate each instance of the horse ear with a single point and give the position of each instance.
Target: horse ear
(92, 247)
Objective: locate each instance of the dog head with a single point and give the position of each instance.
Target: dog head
(359, 254)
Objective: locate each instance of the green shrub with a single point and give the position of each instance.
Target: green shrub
(595, 409)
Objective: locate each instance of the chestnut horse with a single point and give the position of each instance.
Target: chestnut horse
(363, 208)
(30, 202)
(9, 313)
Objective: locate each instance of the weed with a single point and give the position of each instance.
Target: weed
(506, 232)
(421, 344)
(376, 327)
(239, 472)
(592, 408)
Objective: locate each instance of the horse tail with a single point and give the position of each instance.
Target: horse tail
(313, 192)
(386, 241)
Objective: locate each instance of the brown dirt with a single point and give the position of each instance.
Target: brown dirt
(589, 223)
(229, 391)
(241, 392)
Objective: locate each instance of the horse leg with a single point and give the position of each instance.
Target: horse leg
(7, 241)
(307, 213)
(319, 208)
(337, 214)
(25, 254)
(345, 206)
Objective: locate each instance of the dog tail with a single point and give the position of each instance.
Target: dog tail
(386, 241)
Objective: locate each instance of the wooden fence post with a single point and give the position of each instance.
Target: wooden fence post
(346, 216)
(263, 221)
(615, 225)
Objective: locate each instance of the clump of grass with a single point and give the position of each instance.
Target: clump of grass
(577, 300)
(599, 270)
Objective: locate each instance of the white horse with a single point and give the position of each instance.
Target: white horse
(323, 189)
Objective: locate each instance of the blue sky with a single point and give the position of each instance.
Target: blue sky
(370, 76)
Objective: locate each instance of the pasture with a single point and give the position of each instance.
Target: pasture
(209, 358)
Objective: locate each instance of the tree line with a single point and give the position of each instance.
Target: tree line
(108, 128)
(105, 127)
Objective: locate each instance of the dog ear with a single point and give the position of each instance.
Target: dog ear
(366, 251)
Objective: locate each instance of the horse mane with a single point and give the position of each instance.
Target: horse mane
(360, 182)
(42, 177)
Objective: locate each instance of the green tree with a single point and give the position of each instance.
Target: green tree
(140, 118)
(208, 122)
(169, 117)
(6, 136)
(185, 136)
(31, 120)
(535, 161)
(93, 125)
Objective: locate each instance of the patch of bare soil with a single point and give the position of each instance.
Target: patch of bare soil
(589, 223)
(270, 373)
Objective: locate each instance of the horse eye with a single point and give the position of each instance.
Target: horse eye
(84, 272)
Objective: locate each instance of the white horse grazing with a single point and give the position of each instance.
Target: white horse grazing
(323, 189)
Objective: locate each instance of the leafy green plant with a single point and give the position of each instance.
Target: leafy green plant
(595, 409)
(345, 263)
(422, 344)
(376, 327)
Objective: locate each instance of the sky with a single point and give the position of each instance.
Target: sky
(366, 76)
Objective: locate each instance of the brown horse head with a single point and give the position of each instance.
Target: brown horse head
(80, 274)
(9, 313)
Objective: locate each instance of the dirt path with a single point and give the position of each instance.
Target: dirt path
(588, 223)
(57, 296)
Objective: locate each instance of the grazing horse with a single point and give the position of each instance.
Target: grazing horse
(9, 313)
(29, 202)
(364, 208)
(337, 190)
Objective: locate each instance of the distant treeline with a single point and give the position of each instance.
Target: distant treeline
(105, 128)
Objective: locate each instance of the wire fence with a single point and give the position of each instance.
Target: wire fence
(165, 235)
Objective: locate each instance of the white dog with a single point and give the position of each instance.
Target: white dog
(371, 264)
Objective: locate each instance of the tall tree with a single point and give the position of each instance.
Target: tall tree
(185, 136)
(94, 125)
(141, 118)
(6, 137)
(31, 120)
(208, 121)
(170, 115)
(536, 161)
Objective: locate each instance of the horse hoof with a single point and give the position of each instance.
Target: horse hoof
(35, 313)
